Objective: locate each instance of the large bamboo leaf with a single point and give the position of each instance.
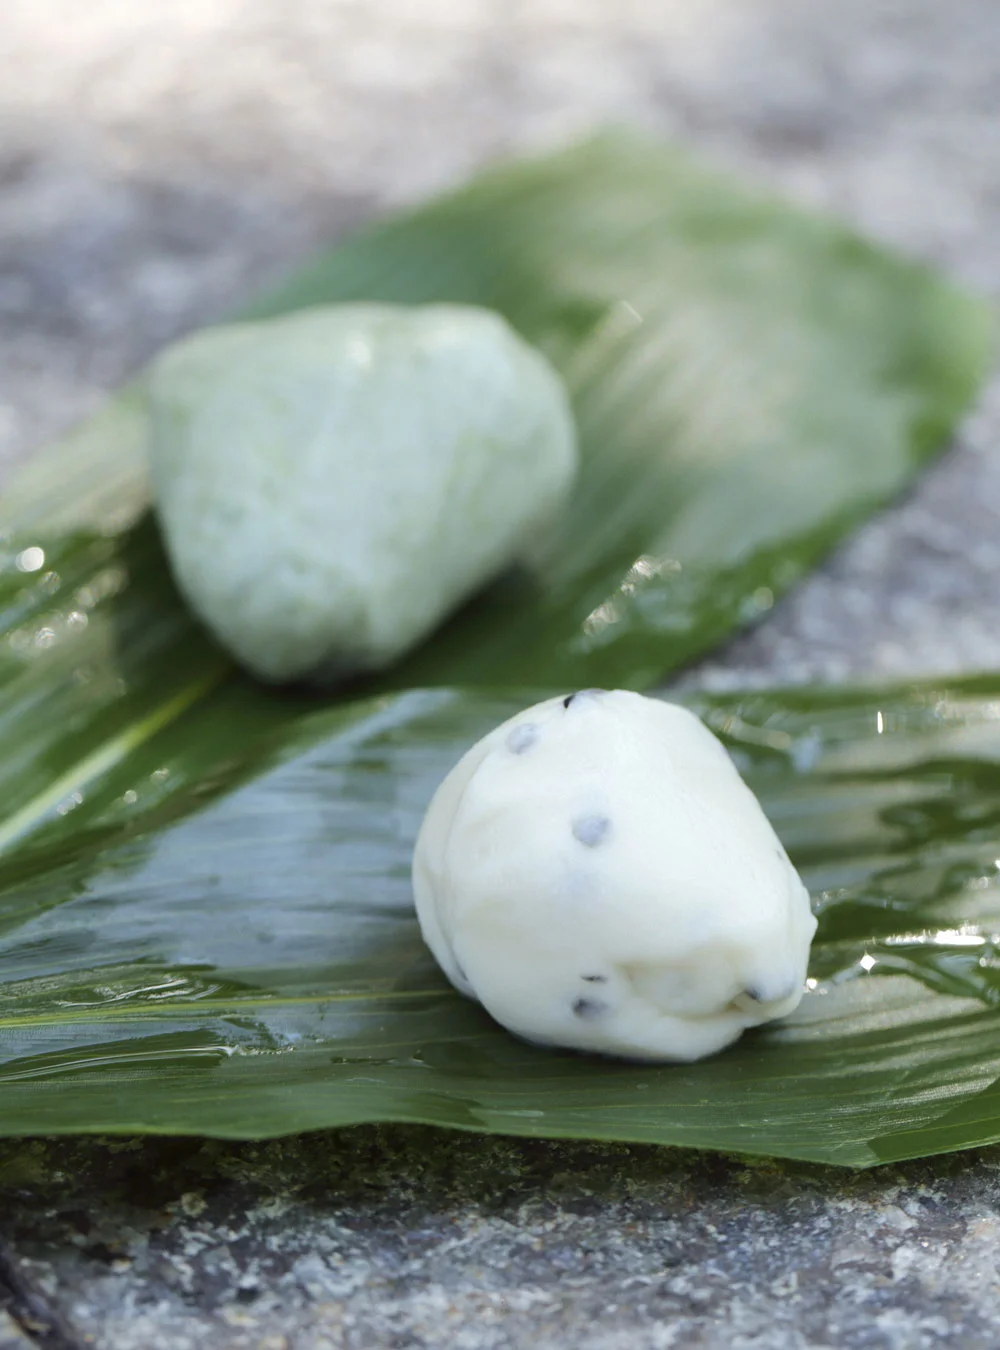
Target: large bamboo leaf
(251, 965)
(749, 381)
(205, 921)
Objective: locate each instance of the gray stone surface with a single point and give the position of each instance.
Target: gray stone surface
(159, 163)
(11, 1335)
(412, 1238)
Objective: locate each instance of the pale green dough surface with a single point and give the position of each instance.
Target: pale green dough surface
(332, 483)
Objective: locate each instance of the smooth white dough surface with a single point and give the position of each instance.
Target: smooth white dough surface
(331, 483)
(596, 873)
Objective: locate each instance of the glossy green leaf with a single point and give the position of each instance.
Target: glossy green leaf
(251, 965)
(205, 918)
(748, 380)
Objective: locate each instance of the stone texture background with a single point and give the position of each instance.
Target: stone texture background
(161, 162)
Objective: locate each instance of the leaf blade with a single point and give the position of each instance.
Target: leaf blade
(244, 1036)
(212, 929)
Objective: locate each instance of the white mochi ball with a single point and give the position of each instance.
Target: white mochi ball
(331, 483)
(596, 873)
